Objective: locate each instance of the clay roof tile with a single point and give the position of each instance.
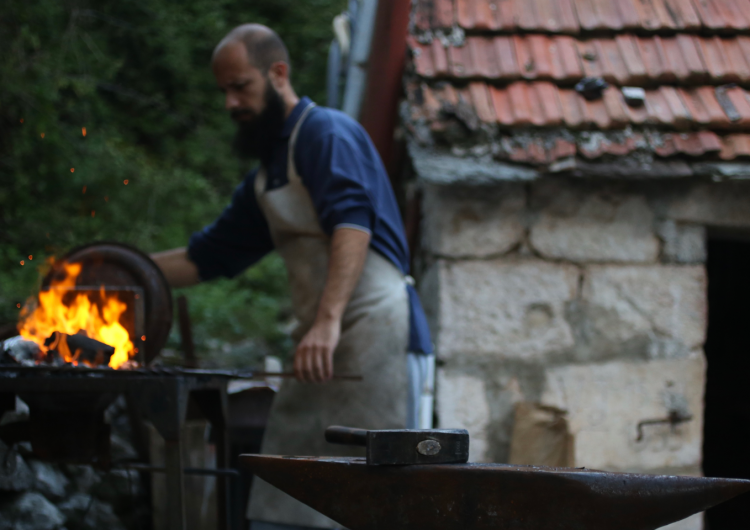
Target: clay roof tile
(501, 104)
(550, 103)
(505, 52)
(482, 103)
(571, 107)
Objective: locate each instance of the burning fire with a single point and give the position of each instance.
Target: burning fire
(59, 311)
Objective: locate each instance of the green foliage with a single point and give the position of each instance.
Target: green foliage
(136, 76)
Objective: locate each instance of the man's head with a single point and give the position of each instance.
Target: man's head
(251, 67)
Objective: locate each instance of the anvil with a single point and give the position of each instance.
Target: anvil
(488, 496)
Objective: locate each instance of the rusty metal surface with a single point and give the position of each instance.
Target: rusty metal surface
(118, 265)
(488, 496)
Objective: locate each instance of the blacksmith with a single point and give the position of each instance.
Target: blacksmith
(322, 199)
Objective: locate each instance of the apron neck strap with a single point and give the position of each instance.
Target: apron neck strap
(298, 125)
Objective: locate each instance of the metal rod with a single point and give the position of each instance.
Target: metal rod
(233, 473)
(186, 332)
(229, 374)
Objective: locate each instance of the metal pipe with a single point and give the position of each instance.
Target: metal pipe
(232, 473)
(156, 371)
(356, 79)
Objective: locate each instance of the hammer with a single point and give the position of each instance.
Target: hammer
(405, 446)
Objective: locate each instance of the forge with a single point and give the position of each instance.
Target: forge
(102, 315)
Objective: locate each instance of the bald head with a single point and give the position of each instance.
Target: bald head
(264, 46)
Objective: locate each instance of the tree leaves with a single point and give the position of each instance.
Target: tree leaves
(136, 75)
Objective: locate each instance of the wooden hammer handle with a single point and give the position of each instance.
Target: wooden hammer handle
(346, 436)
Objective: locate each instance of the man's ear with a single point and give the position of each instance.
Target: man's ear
(278, 73)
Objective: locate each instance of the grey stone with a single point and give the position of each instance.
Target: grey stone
(665, 302)
(15, 474)
(683, 243)
(724, 204)
(30, 511)
(606, 402)
(441, 167)
(82, 478)
(119, 483)
(462, 404)
(472, 223)
(586, 225)
(49, 480)
(121, 448)
(504, 309)
(85, 512)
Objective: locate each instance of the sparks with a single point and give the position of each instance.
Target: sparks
(83, 131)
(31, 257)
(143, 338)
(22, 262)
(18, 305)
(72, 170)
(125, 182)
(42, 135)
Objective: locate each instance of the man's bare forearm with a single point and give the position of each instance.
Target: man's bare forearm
(347, 259)
(177, 267)
(313, 358)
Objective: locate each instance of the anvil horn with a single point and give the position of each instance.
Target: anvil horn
(488, 496)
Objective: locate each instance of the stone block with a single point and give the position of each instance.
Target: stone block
(15, 474)
(462, 404)
(89, 513)
(607, 402)
(30, 511)
(49, 480)
(720, 204)
(591, 225)
(461, 222)
(667, 303)
(683, 243)
(504, 309)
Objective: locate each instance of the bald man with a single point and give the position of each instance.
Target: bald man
(322, 199)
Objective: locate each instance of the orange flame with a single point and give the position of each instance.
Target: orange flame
(100, 319)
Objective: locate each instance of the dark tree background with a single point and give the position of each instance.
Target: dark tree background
(154, 162)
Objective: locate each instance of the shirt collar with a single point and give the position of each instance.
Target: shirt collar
(293, 118)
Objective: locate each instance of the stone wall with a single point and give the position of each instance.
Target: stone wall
(36, 495)
(588, 296)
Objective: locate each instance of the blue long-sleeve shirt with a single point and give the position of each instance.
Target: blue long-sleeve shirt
(343, 173)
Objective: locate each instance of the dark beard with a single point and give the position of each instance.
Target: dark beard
(255, 139)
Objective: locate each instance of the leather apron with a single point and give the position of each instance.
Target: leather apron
(374, 340)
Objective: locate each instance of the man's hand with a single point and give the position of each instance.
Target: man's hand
(313, 359)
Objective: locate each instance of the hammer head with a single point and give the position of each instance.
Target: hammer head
(406, 447)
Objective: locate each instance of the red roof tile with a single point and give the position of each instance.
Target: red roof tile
(574, 16)
(518, 60)
(734, 146)
(544, 104)
(624, 60)
(480, 98)
(505, 55)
